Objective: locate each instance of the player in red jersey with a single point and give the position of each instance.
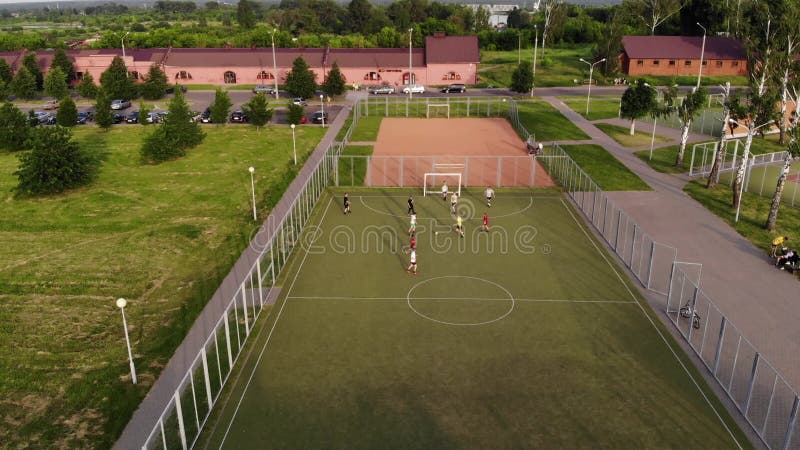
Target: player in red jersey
(485, 222)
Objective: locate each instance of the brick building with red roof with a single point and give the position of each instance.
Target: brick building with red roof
(444, 60)
(680, 55)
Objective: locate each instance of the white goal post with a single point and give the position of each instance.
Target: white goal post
(445, 106)
(434, 181)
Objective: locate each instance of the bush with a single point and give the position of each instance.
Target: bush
(67, 115)
(55, 163)
(295, 114)
(14, 128)
(177, 133)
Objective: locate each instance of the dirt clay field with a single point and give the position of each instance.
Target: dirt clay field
(488, 152)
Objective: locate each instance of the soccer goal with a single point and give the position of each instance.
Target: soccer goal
(434, 181)
(436, 107)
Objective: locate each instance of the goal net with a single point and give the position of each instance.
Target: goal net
(437, 110)
(434, 181)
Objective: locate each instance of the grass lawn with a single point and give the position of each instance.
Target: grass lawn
(752, 215)
(605, 170)
(472, 352)
(664, 157)
(367, 129)
(353, 170)
(559, 67)
(161, 236)
(599, 108)
(623, 137)
(547, 122)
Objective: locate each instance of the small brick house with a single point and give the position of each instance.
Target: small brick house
(680, 56)
(444, 60)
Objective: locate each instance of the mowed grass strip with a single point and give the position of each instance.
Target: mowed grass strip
(547, 122)
(350, 364)
(161, 236)
(353, 165)
(605, 170)
(623, 136)
(599, 107)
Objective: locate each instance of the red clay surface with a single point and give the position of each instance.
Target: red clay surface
(489, 149)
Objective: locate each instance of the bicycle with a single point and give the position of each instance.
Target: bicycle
(688, 311)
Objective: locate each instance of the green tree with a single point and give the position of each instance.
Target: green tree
(177, 133)
(14, 128)
(220, 107)
(295, 114)
(67, 115)
(685, 111)
(116, 81)
(155, 84)
(359, 13)
(86, 87)
(24, 84)
(5, 90)
(55, 163)
(792, 152)
(55, 84)
(334, 81)
(103, 115)
(245, 15)
(32, 64)
(637, 101)
(61, 60)
(6, 75)
(257, 111)
(522, 78)
(144, 111)
(301, 81)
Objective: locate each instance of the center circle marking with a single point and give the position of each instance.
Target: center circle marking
(424, 316)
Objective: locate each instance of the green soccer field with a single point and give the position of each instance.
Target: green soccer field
(528, 336)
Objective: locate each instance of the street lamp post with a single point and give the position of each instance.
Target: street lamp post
(410, 72)
(322, 105)
(591, 71)
(121, 302)
(252, 170)
(519, 47)
(702, 54)
(535, 49)
(274, 63)
(741, 185)
(122, 41)
(294, 144)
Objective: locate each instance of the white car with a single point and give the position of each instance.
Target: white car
(414, 89)
(120, 104)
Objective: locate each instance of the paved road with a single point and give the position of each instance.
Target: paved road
(763, 302)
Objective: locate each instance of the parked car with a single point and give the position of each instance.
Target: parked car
(85, 116)
(238, 116)
(117, 118)
(414, 89)
(299, 101)
(45, 118)
(153, 117)
(381, 90)
(206, 116)
(171, 89)
(453, 88)
(133, 117)
(264, 88)
(50, 104)
(120, 104)
(319, 117)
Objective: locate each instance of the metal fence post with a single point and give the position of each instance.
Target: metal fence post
(753, 373)
(720, 341)
(206, 377)
(787, 439)
(179, 413)
(650, 268)
(228, 341)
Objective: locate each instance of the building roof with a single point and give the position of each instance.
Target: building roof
(375, 57)
(441, 49)
(682, 47)
(242, 57)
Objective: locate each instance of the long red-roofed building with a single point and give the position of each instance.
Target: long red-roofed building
(680, 56)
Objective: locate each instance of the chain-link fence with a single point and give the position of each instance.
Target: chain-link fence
(434, 107)
(764, 398)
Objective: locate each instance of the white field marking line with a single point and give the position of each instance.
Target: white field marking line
(529, 300)
(543, 196)
(269, 336)
(650, 319)
(404, 216)
(461, 324)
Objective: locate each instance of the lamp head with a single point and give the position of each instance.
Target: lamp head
(121, 302)
(292, 125)
(321, 96)
(583, 60)
(602, 60)
(251, 169)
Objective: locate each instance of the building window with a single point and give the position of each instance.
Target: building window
(264, 75)
(705, 63)
(78, 76)
(639, 62)
(413, 78)
(734, 63)
(134, 75)
(687, 63)
(372, 76)
(451, 76)
(718, 63)
(183, 75)
(230, 77)
(656, 62)
(672, 62)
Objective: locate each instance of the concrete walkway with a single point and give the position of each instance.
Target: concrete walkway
(764, 303)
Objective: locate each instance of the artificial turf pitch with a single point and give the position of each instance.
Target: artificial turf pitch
(538, 343)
